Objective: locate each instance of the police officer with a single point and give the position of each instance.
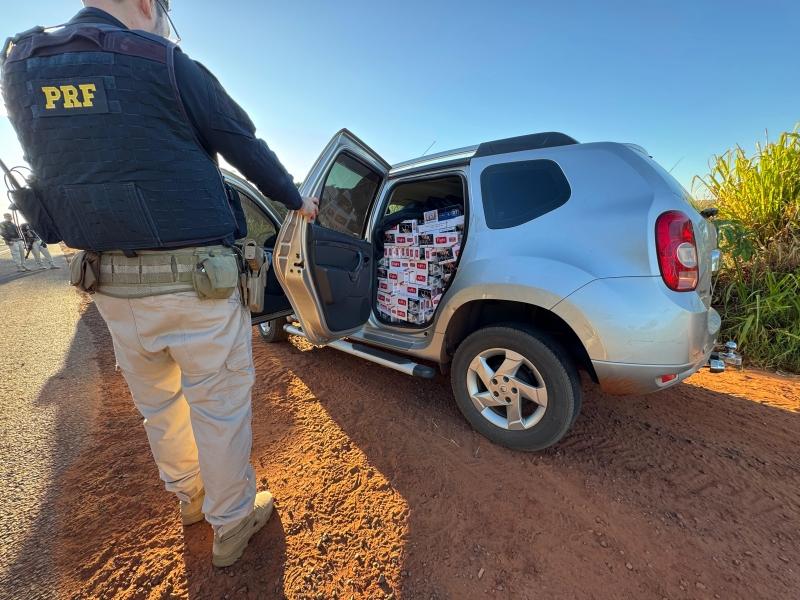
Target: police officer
(121, 130)
(13, 239)
(33, 243)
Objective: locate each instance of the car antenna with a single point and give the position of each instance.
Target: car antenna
(429, 147)
(676, 164)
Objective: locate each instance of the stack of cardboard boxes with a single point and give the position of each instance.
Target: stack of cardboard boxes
(419, 260)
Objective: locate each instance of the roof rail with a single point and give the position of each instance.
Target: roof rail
(534, 141)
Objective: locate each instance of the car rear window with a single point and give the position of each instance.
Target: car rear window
(518, 192)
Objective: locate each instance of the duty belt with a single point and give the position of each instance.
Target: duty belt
(151, 272)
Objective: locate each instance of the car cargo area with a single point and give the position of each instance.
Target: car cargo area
(419, 243)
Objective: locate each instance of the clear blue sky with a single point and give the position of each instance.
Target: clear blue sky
(685, 79)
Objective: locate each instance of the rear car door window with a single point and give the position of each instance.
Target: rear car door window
(517, 192)
(347, 196)
(259, 227)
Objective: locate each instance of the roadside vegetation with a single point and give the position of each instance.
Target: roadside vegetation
(758, 288)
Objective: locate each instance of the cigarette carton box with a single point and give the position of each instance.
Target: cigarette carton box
(400, 314)
(411, 290)
(424, 293)
(446, 240)
(399, 301)
(406, 239)
(454, 224)
(425, 279)
(442, 214)
(425, 239)
(390, 238)
(431, 267)
(407, 227)
(396, 276)
(410, 252)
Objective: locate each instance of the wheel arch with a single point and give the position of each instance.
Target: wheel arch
(476, 314)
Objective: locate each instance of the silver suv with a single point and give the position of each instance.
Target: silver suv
(575, 257)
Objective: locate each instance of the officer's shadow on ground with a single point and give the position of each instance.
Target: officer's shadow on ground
(35, 562)
(105, 523)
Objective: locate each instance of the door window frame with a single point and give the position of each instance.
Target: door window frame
(372, 204)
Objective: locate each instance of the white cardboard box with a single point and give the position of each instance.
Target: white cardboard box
(407, 227)
(406, 239)
(454, 224)
(446, 240)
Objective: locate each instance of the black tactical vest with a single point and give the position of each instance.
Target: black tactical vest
(116, 162)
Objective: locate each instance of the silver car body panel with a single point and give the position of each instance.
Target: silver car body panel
(592, 262)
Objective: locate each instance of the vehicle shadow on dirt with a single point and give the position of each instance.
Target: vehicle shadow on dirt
(680, 492)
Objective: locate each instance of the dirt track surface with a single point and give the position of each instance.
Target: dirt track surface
(383, 491)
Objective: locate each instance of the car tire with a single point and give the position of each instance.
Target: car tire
(273, 331)
(535, 413)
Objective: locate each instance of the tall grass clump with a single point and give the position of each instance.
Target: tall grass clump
(758, 287)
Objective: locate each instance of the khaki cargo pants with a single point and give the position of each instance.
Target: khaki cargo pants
(189, 365)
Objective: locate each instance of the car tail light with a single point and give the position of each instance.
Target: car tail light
(677, 251)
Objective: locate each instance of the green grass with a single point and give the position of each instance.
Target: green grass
(758, 289)
(762, 313)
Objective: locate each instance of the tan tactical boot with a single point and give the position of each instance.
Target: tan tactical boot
(192, 512)
(229, 547)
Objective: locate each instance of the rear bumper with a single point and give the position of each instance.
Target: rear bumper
(623, 379)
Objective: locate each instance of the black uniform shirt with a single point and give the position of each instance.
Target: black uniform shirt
(9, 232)
(222, 126)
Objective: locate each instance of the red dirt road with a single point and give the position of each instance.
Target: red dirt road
(383, 491)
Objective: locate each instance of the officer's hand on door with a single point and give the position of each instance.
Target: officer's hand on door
(310, 208)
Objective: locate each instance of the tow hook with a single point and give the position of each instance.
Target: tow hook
(719, 360)
(731, 357)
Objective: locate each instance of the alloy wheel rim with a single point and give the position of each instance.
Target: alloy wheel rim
(507, 389)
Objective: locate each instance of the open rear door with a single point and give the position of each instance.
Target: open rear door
(326, 268)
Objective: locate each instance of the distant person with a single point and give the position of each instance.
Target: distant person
(33, 243)
(13, 239)
(122, 132)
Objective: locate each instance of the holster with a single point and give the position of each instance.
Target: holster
(84, 271)
(253, 278)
